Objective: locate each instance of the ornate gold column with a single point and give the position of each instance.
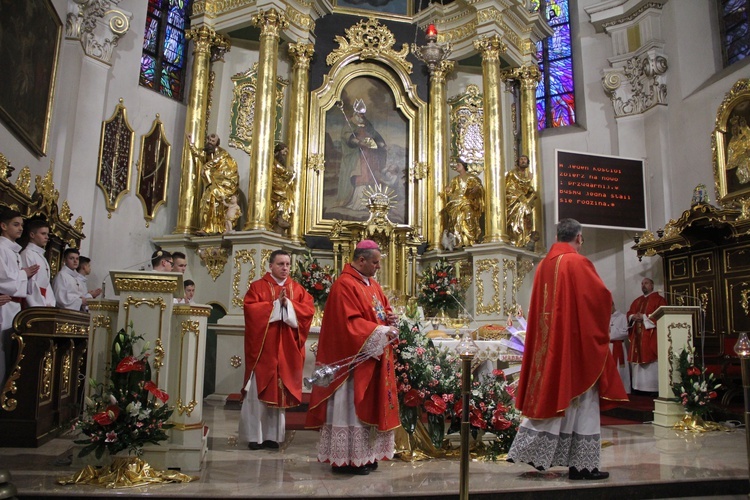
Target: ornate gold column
(494, 170)
(528, 77)
(204, 39)
(437, 145)
(297, 135)
(261, 156)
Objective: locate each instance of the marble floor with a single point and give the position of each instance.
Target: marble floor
(644, 461)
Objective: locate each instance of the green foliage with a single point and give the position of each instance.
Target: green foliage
(125, 413)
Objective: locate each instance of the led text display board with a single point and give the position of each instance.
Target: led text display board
(601, 191)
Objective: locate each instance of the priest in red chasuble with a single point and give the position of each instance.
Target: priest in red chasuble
(568, 371)
(278, 313)
(358, 411)
(642, 335)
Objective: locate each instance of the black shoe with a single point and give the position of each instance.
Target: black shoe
(373, 466)
(351, 469)
(271, 445)
(595, 474)
(254, 446)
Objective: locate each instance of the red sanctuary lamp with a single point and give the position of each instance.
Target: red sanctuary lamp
(432, 53)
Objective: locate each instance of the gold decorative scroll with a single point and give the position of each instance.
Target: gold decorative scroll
(145, 285)
(369, 40)
(482, 266)
(670, 349)
(6, 401)
(188, 326)
(71, 329)
(115, 156)
(242, 257)
(45, 382)
(153, 170)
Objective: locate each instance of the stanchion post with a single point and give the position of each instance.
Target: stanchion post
(466, 350)
(742, 348)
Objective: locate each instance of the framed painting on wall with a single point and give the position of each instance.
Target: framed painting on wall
(731, 145)
(30, 34)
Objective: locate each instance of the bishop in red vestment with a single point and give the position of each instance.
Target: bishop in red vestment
(358, 411)
(568, 370)
(278, 314)
(642, 335)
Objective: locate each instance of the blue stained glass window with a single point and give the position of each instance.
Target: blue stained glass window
(555, 93)
(164, 46)
(735, 38)
(147, 71)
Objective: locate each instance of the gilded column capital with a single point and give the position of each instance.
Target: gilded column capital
(270, 22)
(301, 53)
(440, 72)
(204, 38)
(490, 47)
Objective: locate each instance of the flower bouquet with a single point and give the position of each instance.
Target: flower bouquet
(314, 278)
(427, 381)
(439, 289)
(696, 390)
(128, 410)
(492, 409)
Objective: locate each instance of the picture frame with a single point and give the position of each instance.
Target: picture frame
(730, 145)
(31, 36)
(115, 156)
(153, 170)
(392, 109)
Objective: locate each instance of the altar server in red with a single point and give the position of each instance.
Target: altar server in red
(278, 314)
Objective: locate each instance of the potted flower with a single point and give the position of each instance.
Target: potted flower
(696, 389)
(317, 280)
(128, 410)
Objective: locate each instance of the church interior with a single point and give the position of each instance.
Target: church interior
(446, 131)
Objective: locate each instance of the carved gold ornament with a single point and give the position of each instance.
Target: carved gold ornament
(45, 382)
(71, 329)
(242, 115)
(23, 182)
(65, 214)
(215, 258)
(146, 285)
(316, 162)
(467, 128)
(745, 300)
(369, 40)
(670, 350)
(159, 353)
(78, 224)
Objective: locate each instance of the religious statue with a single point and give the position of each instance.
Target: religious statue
(282, 190)
(520, 199)
(464, 204)
(738, 149)
(221, 178)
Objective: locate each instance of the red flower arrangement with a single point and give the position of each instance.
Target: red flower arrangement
(314, 278)
(124, 413)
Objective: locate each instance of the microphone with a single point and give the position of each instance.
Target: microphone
(697, 301)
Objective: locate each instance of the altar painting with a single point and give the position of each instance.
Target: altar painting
(366, 144)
